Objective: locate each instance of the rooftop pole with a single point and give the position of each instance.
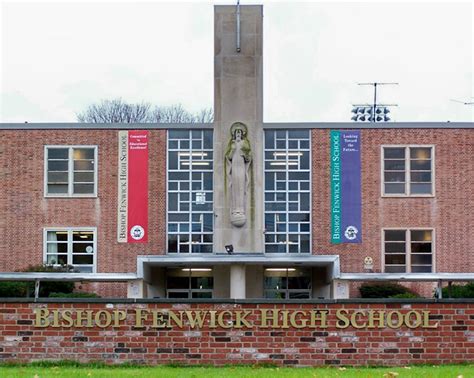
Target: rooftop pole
(238, 26)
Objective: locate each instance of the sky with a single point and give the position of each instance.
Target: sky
(58, 57)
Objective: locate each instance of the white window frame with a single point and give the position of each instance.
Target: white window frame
(70, 230)
(70, 193)
(408, 246)
(190, 150)
(407, 170)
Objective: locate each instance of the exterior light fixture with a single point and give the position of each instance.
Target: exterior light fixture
(229, 249)
(197, 269)
(280, 269)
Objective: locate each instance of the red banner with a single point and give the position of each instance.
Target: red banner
(137, 217)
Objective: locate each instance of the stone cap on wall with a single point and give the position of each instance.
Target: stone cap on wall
(241, 301)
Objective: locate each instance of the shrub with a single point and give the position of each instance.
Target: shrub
(383, 290)
(405, 295)
(48, 287)
(460, 291)
(13, 289)
(74, 295)
(54, 289)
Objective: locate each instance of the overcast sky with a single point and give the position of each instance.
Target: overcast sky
(58, 57)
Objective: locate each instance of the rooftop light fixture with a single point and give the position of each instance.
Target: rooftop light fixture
(365, 113)
(372, 113)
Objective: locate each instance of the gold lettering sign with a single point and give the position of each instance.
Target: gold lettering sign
(264, 318)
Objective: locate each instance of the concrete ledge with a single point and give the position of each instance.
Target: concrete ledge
(73, 277)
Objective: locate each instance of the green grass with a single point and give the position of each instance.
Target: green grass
(72, 371)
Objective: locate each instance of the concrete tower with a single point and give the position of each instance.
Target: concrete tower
(238, 172)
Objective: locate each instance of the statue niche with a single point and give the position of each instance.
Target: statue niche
(238, 159)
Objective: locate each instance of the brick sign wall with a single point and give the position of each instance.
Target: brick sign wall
(246, 333)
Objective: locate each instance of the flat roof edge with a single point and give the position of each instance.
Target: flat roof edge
(266, 125)
(103, 126)
(369, 125)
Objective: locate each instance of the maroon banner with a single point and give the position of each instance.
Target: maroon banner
(137, 217)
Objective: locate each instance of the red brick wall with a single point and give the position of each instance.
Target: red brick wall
(25, 211)
(452, 341)
(450, 212)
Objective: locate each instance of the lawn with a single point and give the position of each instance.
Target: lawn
(454, 371)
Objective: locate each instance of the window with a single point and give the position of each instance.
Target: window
(408, 170)
(71, 246)
(287, 191)
(287, 283)
(190, 191)
(408, 251)
(189, 283)
(71, 171)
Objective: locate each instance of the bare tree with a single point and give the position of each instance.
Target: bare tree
(205, 115)
(177, 114)
(118, 111)
(115, 111)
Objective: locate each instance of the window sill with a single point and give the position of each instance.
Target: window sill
(408, 196)
(72, 197)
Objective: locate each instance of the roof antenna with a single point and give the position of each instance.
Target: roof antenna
(464, 102)
(372, 113)
(238, 25)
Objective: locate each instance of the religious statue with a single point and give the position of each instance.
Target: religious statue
(238, 160)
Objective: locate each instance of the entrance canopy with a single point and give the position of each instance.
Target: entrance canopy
(238, 275)
(328, 261)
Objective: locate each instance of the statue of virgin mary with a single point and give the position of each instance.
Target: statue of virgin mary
(238, 160)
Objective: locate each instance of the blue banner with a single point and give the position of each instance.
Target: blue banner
(346, 224)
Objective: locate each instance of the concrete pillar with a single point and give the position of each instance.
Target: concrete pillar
(340, 289)
(221, 281)
(254, 277)
(155, 279)
(321, 283)
(237, 281)
(238, 87)
(136, 289)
